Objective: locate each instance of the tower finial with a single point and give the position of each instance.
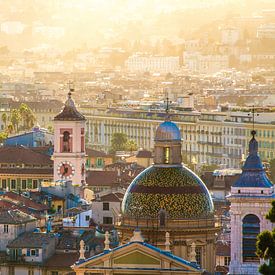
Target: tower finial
(253, 114)
(167, 106)
(82, 250)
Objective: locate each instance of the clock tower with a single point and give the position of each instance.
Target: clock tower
(69, 144)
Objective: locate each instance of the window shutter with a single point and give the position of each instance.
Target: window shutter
(36, 252)
(28, 252)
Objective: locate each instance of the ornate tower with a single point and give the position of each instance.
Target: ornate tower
(168, 197)
(250, 199)
(69, 144)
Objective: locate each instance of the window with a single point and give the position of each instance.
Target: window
(106, 206)
(66, 142)
(23, 184)
(166, 154)
(34, 184)
(54, 273)
(198, 255)
(87, 218)
(107, 220)
(226, 260)
(4, 184)
(6, 228)
(33, 252)
(251, 228)
(13, 184)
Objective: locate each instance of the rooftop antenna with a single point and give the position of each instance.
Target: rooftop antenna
(253, 114)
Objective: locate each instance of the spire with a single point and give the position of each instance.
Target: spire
(253, 173)
(69, 111)
(81, 251)
(253, 144)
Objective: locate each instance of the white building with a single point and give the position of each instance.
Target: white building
(208, 64)
(106, 207)
(230, 36)
(250, 198)
(12, 27)
(12, 224)
(162, 64)
(77, 218)
(266, 31)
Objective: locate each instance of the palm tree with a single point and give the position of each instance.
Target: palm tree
(15, 119)
(10, 129)
(5, 118)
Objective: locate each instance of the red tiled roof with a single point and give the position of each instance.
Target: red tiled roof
(20, 154)
(95, 153)
(144, 154)
(63, 260)
(4, 204)
(27, 171)
(101, 178)
(111, 197)
(24, 201)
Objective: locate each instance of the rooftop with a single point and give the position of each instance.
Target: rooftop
(14, 216)
(32, 240)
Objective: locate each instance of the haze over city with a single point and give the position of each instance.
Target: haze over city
(137, 137)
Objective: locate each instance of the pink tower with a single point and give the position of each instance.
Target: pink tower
(69, 144)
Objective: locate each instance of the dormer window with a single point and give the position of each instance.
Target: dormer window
(239, 191)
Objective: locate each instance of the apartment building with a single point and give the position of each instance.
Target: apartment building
(212, 138)
(143, 63)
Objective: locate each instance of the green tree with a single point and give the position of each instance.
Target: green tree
(50, 129)
(27, 116)
(266, 245)
(272, 169)
(15, 119)
(118, 142)
(3, 136)
(5, 119)
(131, 145)
(10, 129)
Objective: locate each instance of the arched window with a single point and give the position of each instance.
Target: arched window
(251, 228)
(66, 141)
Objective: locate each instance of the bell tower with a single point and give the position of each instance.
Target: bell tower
(69, 144)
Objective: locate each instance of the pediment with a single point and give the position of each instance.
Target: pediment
(136, 258)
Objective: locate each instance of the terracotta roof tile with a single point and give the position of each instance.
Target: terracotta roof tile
(14, 197)
(101, 178)
(32, 240)
(14, 217)
(23, 155)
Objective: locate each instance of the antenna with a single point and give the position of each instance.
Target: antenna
(253, 114)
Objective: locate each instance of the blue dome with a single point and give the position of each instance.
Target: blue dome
(168, 131)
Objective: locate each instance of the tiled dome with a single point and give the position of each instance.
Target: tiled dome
(176, 189)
